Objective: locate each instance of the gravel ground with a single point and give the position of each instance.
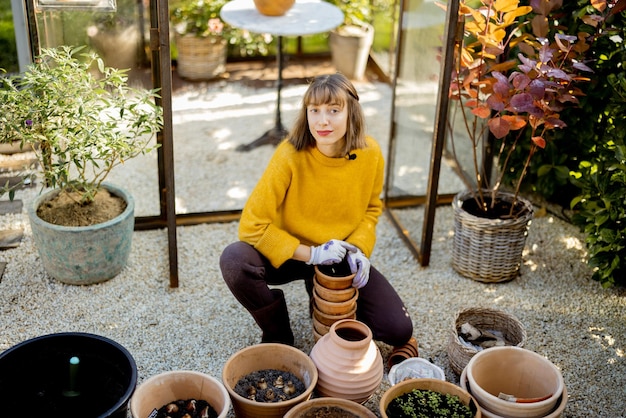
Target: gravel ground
(568, 317)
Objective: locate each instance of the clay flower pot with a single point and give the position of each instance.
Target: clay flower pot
(171, 386)
(334, 308)
(336, 281)
(322, 405)
(328, 320)
(333, 295)
(69, 375)
(518, 372)
(262, 357)
(273, 7)
(348, 362)
(436, 385)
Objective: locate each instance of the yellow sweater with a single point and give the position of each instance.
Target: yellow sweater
(307, 198)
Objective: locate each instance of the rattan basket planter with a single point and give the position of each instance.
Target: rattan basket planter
(486, 319)
(489, 250)
(200, 58)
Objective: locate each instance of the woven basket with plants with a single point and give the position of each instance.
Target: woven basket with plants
(490, 323)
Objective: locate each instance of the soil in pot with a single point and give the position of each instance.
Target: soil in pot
(501, 209)
(423, 403)
(66, 209)
(186, 408)
(269, 385)
(341, 269)
(328, 412)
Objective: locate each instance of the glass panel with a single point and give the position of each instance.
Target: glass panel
(421, 40)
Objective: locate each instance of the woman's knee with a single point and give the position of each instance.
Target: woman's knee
(237, 261)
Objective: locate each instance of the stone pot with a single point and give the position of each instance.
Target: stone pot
(84, 255)
(171, 386)
(350, 48)
(348, 362)
(262, 357)
(273, 7)
(321, 405)
(436, 385)
(518, 372)
(41, 377)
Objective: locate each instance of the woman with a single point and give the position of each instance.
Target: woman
(317, 202)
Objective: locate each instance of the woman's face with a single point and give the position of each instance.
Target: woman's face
(328, 124)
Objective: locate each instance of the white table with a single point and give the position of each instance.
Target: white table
(305, 17)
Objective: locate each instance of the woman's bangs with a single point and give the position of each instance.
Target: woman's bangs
(325, 94)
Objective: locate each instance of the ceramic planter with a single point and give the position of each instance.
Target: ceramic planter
(38, 379)
(348, 361)
(273, 7)
(321, 405)
(518, 372)
(350, 48)
(171, 386)
(262, 357)
(85, 254)
(336, 281)
(435, 385)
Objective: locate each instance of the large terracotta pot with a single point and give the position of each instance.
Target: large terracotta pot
(84, 255)
(348, 361)
(172, 386)
(262, 357)
(518, 372)
(69, 375)
(323, 406)
(273, 7)
(435, 385)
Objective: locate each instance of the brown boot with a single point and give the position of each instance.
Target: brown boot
(274, 320)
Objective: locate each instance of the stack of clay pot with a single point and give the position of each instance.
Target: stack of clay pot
(334, 298)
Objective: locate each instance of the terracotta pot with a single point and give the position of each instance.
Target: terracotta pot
(328, 320)
(556, 413)
(320, 328)
(515, 371)
(320, 404)
(334, 308)
(436, 385)
(171, 386)
(333, 295)
(262, 357)
(330, 281)
(348, 362)
(273, 7)
(39, 379)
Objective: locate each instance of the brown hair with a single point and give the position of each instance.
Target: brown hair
(326, 89)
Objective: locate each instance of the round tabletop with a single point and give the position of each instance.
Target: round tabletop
(305, 17)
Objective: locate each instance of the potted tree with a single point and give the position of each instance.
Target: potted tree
(511, 82)
(351, 42)
(201, 38)
(81, 123)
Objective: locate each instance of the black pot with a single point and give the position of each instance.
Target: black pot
(37, 380)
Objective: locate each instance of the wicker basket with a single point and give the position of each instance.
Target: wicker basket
(487, 319)
(489, 250)
(200, 58)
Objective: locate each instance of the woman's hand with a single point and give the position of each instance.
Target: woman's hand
(331, 252)
(360, 265)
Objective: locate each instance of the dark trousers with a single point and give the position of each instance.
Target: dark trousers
(248, 273)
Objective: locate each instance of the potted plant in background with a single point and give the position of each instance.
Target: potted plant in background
(201, 38)
(351, 42)
(511, 82)
(81, 124)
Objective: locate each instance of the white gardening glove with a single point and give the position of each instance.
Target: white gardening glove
(331, 252)
(360, 265)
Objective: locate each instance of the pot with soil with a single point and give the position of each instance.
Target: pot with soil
(488, 248)
(82, 255)
(180, 392)
(267, 380)
(69, 375)
(329, 408)
(348, 361)
(432, 398)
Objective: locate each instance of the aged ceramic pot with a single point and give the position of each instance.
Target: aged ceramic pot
(322, 405)
(348, 362)
(167, 387)
(262, 357)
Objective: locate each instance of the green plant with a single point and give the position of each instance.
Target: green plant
(80, 125)
(420, 403)
(356, 12)
(512, 84)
